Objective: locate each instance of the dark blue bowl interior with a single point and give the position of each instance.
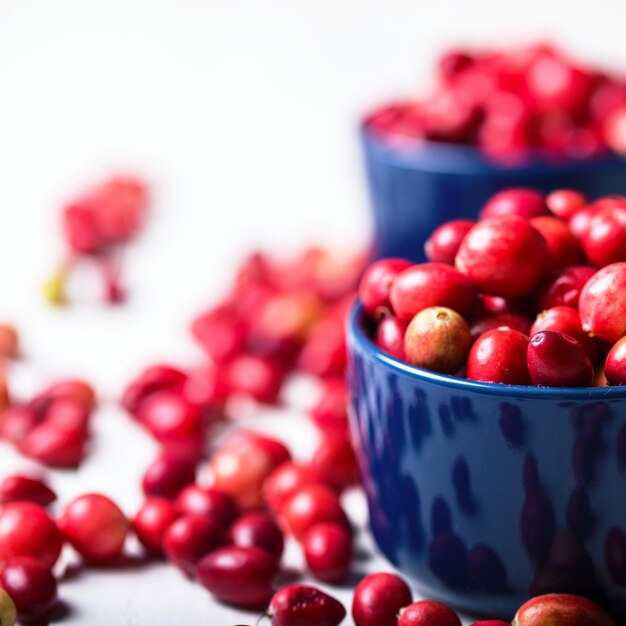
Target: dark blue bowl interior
(485, 495)
(414, 187)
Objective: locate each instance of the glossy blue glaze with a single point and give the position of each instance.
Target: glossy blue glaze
(417, 186)
(486, 494)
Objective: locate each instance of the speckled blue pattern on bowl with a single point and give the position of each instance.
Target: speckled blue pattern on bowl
(486, 494)
(414, 187)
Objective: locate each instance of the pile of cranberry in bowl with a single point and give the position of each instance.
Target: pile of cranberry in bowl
(486, 403)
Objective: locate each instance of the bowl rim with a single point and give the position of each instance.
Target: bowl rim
(357, 337)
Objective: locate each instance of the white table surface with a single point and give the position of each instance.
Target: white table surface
(242, 115)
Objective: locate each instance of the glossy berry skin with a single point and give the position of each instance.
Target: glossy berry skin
(561, 609)
(519, 202)
(432, 284)
(258, 530)
(8, 612)
(311, 505)
(615, 365)
(565, 203)
(378, 599)
(390, 336)
(285, 481)
(504, 256)
(334, 461)
(96, 527)
(437, 339)
(444, 242)
(499, 356)
(190, 538)
(500, 320)
(375, 286)
(239, 576)
(563, 287)
(27, 530)
(602, 303)
(18, 488)
(565, 249)
(426, 612)
(31, 586)
(153, 379)
(151, 522)
(301, 605)
(168, 475)
(206, 501)
(257, 376)
(605, 239)
(328, 552)
(558, 360)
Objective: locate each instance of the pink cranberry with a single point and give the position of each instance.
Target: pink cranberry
(504, 256)
(563, 287)
(329, 412)
(615, 366)
(328, 552)
(437, 339)
(566, 320)
(565, 203)
(444, 242)
(257, 376)
(151, 522)
(153, 379)
(324, 352)
(18, 488)
(239, 576)
(220, 333)
(9, 342)
(432, 284)
(615, 130)
(605, 239)
(519, 202)
(580, 222)
(287, 480)
(377, 281)
(390, 336)
(189, 538)
(564, 248)
(561, 609)
(168, 475)
(499, 356)
(258, 530)
(305, 606)
(428, 612)
(311, 505)
(55, 446)
(206, 501)
(27, 530)
(334, 460)
(500, 320)
(378, 600)
(558, 360)
(95, 526)
(32, 587)
(602, 303)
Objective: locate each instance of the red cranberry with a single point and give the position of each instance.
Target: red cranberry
(152, 379)
(579, 224)
(18, 488)
(602, 303)
(151, 522)
(78, 391)
(302, 605)
(168, 475)
(324, 353)
(378, 599)
(206, 501)
(500, 320)
(328, 552)
(499, 356)
(330, 411)
(258, 530)
(615, 130)
(32, 587)
(564, 248)
(562, 288)
(27, 530)
(519, 202)
(390, 336)
(558, 360)
(206, 389)
(504, 256)
(257, 376)
(615, 366)
(432, 284)
(444, 242)
(565, 203)
(496, 305)
(95, 526)
(376, 283)
(426, 612)
(566, 320)
(220, 333)
(561, 609)
(275, 450)
(286, 481)
(437, 339)
(605, 239)
(239, 576)
(9, 342)
(190, 538)
(311, 505)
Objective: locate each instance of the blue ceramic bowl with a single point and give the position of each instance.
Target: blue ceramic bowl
(484, 494)
(416, 186)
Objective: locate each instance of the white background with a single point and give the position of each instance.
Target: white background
(242, 115)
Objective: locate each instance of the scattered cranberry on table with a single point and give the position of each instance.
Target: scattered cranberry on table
(301, 605)
(378, 600)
